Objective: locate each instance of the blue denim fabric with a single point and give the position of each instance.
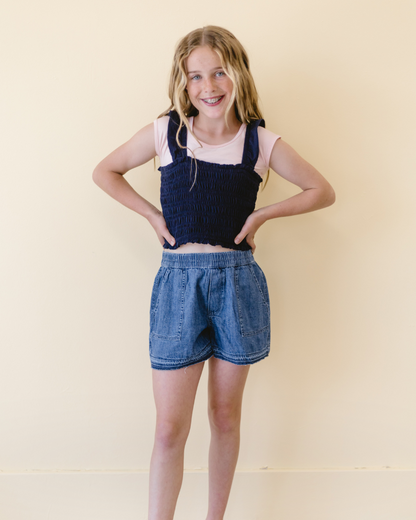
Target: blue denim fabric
(209, 304)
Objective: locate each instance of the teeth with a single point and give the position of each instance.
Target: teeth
(212, 101)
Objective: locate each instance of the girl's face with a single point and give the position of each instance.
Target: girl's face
(209, 88)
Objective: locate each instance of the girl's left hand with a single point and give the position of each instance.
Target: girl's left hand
(251, 225)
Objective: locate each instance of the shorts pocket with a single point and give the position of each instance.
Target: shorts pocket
(252, 300)
(167, 304)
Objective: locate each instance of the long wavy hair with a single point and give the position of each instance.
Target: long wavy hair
(235, 62)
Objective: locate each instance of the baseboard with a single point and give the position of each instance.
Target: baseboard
(344, 494)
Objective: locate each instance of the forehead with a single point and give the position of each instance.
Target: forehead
(203, 58)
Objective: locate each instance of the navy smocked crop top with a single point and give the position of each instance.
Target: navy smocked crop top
(223, 196)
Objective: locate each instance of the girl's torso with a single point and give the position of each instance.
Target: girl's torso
(227, 153)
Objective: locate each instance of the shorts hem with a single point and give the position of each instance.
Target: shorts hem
(243, 360)
(170, 364)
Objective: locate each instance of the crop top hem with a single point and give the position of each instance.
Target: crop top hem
(243, 246)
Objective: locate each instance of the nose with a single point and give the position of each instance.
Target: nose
(210, 84)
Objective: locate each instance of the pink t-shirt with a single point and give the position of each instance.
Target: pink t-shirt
(227, 153)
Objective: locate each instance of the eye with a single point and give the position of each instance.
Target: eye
(220, 73)
(197, 76)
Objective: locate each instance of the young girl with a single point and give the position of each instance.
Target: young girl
(210, 300)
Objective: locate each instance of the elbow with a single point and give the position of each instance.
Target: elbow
(330, 196)
(327, 195)
(333, 196)
(96, 176)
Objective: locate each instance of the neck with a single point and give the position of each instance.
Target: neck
(216, 128)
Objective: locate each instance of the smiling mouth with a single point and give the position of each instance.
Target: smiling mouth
(213, 101)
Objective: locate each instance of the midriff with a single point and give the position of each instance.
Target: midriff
(198, 248)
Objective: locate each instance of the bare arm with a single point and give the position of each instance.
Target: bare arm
(108, 175)
(316, 191)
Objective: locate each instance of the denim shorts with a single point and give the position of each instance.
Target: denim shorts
(209, 304)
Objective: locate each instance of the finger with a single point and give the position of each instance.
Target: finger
(170, 239)
(164, 234)
(250, 242)
(240, 237)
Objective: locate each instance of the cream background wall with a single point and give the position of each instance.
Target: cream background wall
(331, 413)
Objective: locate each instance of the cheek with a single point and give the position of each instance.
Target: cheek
(191, 91)
(230, 85)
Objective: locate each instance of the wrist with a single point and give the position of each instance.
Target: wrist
(152, 213)
(261, 216)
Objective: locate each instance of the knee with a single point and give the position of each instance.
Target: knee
(170, 434)
(224, 418)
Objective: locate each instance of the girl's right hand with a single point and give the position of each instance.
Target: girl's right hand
(157, 221)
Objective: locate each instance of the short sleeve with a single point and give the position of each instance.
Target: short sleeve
(160, 127)
(267, 140)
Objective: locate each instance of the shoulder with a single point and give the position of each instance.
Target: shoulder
(267, 141)
(266, 135)
(161, 124)
(160, 127)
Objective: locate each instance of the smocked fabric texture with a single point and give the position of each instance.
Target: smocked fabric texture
(214, 209)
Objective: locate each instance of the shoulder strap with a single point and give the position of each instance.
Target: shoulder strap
(251, 143)
(175, 150)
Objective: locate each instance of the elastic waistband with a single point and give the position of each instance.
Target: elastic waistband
(214, 260)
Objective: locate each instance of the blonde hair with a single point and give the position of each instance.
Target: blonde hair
(234, 60)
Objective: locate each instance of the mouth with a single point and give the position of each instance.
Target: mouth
(214, 101)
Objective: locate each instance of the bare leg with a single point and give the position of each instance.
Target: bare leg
(174, 392)
(225, 390)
